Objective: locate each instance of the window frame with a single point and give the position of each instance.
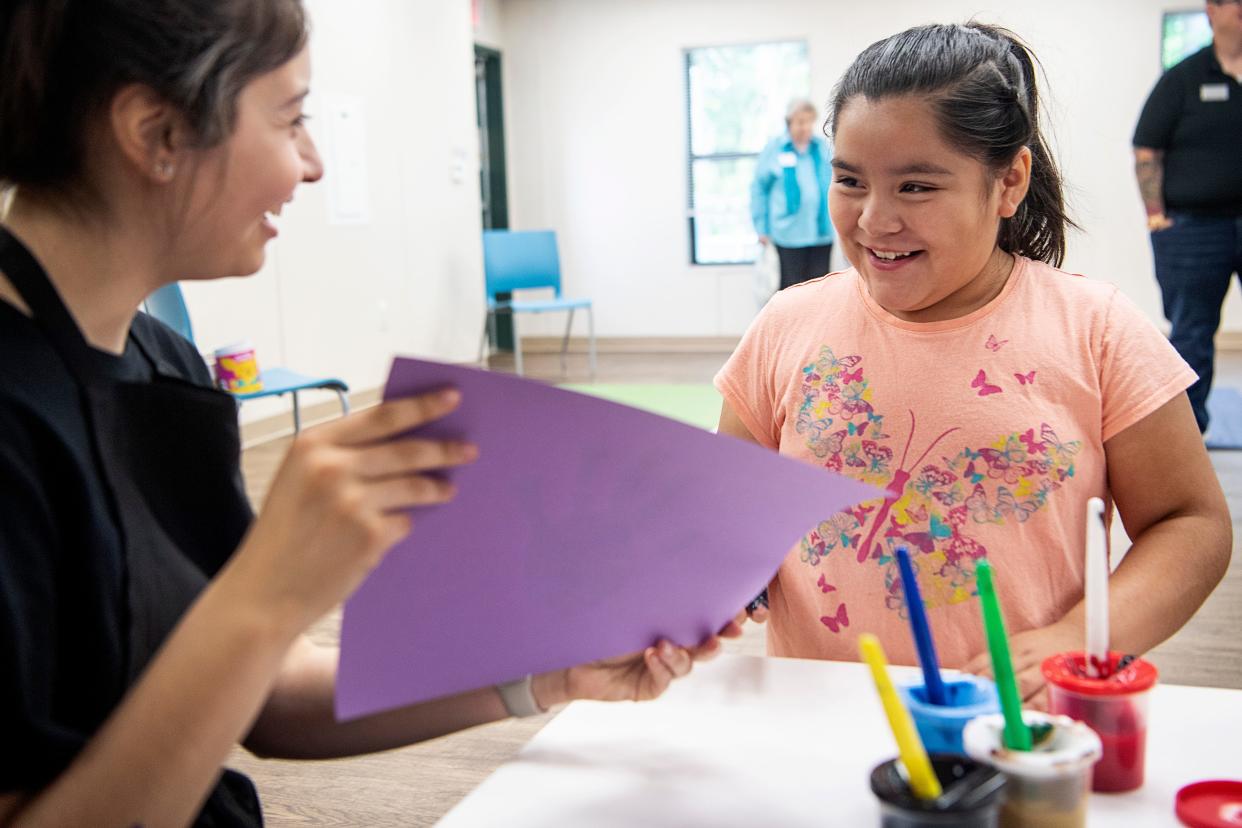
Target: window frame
(691, 158)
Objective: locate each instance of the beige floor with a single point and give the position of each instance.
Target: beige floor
(417, 785)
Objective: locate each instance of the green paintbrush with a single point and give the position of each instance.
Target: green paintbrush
(1017, 734)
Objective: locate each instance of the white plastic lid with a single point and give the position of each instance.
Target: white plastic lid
(239, 347)
(1070, 748)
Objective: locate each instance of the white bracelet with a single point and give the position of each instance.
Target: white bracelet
(519, 699)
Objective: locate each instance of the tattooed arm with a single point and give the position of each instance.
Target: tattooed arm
(1149, 170)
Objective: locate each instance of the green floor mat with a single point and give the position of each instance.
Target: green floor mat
(698, 405)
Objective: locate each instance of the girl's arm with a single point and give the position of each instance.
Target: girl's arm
(1172, 506)
(732, 425)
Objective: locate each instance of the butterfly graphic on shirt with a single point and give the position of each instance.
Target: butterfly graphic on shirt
(836, 621)
(1025, 379)
(985, 388)
(993, 344)
(935, 501)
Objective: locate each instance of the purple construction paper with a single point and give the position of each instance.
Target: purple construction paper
(586, 530)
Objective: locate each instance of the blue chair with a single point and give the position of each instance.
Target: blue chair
(168, 305)
(519, 260)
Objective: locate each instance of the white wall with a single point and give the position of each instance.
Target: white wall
(490, 28)
(341, 300)
(595, 124)
(595, 107)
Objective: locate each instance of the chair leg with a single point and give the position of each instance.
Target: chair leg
(565, 343)
(344, 402)
(591, 338)
(495, 322)
(297, 415)
(490, 326)
(483, 339)
(517, 345)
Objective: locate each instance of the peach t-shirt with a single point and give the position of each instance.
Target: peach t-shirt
(988, 431)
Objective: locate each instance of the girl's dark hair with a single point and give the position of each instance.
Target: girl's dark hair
(980, 82)
(65, 59)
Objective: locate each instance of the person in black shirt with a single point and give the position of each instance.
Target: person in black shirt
(1188, 160)
(148, 620)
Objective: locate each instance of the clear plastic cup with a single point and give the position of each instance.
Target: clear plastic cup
(1114, 707)
(1048, 785)
(940, 726)
(971, 799)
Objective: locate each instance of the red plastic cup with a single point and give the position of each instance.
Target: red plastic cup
(1114, 707)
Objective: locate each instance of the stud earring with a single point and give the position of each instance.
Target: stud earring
(164, 169)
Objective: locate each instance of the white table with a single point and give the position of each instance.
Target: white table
(747, 741)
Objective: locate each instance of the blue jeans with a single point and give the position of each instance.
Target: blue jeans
(1196, 259)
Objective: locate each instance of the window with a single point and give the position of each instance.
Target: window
(1183, 34)
(735, 102)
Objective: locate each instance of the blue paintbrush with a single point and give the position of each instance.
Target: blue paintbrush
(922, 633)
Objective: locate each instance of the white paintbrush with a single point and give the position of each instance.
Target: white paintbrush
(1097, 590)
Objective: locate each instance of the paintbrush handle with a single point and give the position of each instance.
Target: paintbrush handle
(1017, 734)
(923, 781)
(932, 681)
(1096, 574)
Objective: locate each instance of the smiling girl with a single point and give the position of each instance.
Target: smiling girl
(990, 393)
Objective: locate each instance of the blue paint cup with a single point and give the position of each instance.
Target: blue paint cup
(940, 726)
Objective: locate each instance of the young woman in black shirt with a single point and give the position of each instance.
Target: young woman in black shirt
(148, 620)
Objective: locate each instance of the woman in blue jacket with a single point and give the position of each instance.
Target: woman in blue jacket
(789, 196)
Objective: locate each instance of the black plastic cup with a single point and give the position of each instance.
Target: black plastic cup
(972, 797)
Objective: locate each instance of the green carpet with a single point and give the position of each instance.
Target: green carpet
(698, 405)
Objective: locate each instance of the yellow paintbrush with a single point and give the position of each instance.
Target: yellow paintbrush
(910, 750)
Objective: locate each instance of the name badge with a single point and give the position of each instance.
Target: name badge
(1214, 92)
(787, 159)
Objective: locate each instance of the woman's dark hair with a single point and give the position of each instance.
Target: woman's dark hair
(980, 82)
(65, 59)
